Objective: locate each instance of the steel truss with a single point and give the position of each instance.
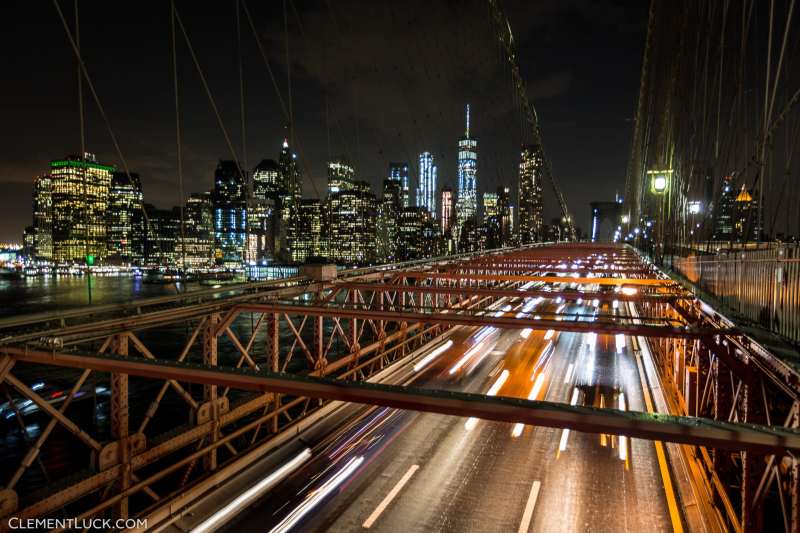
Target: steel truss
(257, 362)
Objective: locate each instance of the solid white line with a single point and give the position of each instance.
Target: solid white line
(389, 497)
(528, 514)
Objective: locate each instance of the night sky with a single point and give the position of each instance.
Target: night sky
(376, 81)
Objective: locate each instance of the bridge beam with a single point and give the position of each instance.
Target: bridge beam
(668, 428)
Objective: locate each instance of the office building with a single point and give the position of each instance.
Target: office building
(531, 173)
(446, 221)
(230, 214)
(399, 172)
(80, 188)
(310, 239)
(391, 205)
(340, 175)
(41, 232)
(352, 220)
(198, 241)
(426, 193)
(124, 220)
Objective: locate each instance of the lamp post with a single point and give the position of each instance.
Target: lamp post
(660, 182)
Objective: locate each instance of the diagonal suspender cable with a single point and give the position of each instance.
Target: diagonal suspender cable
(178, 134)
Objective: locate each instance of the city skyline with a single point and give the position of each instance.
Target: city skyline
(392, 126)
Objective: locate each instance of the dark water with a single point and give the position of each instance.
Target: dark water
(46, 293)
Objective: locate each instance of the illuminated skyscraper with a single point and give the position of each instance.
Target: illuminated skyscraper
(230, 214)
(268, 181)
(163, 236)
(505, 214)
(447, 210)
(340, 175)
(199, 231)
(310, 241)
(388, 218)
(426, 193)
(531, 173)
(352, 218)
(80, 188)
(42, 229)
(124, 220)
(467, 203)
(399, 172)
(286, 227)
(416, 234)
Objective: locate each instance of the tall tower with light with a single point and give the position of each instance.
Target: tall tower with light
(467, 204)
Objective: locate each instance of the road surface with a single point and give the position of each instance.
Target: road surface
(399, 471)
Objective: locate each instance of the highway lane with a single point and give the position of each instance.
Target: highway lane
(396, 471)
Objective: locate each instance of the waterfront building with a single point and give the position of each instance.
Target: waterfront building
(79, 194)
(124, 220)
(41, 232)
(163, 236)
(399, 172)
(467, 203)
(426, 193)
(230, 214)
(198, 243)
(352, 221)
(531, 173)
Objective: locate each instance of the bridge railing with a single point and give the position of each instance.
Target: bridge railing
(762, 286)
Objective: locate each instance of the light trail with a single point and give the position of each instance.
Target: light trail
(251, 494)
(317, 496)
(470, 424)
(562, 445)
(433, 355)
(535, 390)
(461, 362)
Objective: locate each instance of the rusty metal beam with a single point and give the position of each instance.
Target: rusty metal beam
(686, 430)
(625, 325)
(654, 282)
(528, 293)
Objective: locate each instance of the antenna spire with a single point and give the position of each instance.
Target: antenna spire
(467, 120)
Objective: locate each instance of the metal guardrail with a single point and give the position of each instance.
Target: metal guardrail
(762, 286)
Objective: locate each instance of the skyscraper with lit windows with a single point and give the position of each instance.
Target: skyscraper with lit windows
(467, 203)
(230, 213)
(531, 173)
(80, 188)
(42, 229)
(426, 193)
(340, 175)
(446, 221)
(399, 172)
(124, 219)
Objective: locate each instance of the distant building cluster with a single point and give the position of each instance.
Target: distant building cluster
(85, 212)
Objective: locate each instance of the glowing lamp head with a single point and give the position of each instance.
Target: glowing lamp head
(660, 183)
